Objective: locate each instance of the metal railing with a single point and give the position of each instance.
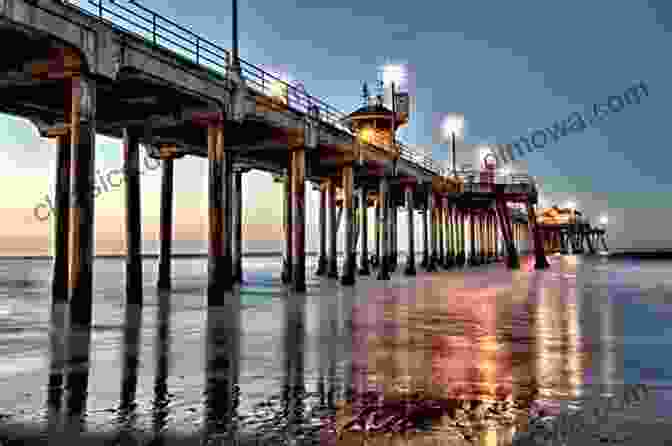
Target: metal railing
(131, 17)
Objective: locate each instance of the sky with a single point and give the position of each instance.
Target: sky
(509, 67)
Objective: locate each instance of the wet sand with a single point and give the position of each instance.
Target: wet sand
(169, 372)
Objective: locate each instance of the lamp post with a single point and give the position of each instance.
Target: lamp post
(393, 76)
(234, 27)
(603, 231)
(452, 127)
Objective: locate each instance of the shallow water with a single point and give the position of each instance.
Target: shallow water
(272, 363)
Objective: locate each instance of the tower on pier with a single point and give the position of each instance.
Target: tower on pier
(376, 124)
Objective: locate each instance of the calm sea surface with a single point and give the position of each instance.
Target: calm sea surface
(581, 328)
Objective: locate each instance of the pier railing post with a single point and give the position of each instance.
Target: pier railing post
(166, 229)
(364, 211)
(333, 230)
(133, 217)
(348, 277)
(322, 262)
(410, 208)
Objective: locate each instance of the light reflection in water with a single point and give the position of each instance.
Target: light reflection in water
(460, 339)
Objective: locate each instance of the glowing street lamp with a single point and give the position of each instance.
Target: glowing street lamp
(452, 126)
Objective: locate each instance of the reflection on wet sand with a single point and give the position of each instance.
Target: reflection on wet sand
(454, 358)
(160, 401)
(473, 358)
(222, 370)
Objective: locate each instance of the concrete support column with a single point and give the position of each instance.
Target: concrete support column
(364, 269)
(238, 225)
(333, 230)
(434, 255)
(384, 271)
(61, 272)
(133, 217)
(483, 239)
(378, 228)
(83, 129)
(298, 162)
(219, 278)
(322, 262)
(410, 208)
(493, 237)
(287, 260)
(425, 236)
(348, 277)
(441, 229)
(392, 227)
(166, 223)
(451, 242)
(540, 261)
(473, 256)
(461, 256)
(513, 261)
(61, 267)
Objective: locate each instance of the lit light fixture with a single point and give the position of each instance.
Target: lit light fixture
(393, 75)
(366, 135)
(452, 125)
(278, 89)
(604, 220)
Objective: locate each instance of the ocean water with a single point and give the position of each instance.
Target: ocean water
(275, 366)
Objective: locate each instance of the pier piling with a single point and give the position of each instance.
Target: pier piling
(540, 261)
(348, 277)
(425, 235)
(364, 269)
(133, 217)
(384, 271)
(81, 278)
(287, 223)
(410, 209)
(441, 229)
(238, 224)
(298, 176)
(322, 262)
(473, 256)
(333, 230)
(433, 255)
(219, 277)
(166, 223)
